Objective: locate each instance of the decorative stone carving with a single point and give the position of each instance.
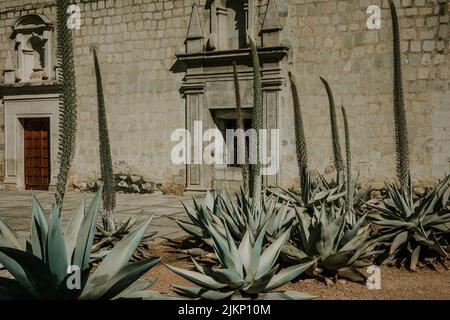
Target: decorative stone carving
(195, 37)
(33, 43)
(30, 91)
(208, 86)
(271, 28)
(231, 21)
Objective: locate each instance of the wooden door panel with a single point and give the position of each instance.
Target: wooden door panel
(37, 153)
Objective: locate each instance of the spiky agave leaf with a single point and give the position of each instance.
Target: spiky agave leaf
(247, 271)
(67, 100)
(257, 122)
(106, 168)
(316, 191)
(238, 216)
(325, 237)
(300, 139)
(43, 274)
(106, 240)
(338, 162)
(409, 227)
(401, 128)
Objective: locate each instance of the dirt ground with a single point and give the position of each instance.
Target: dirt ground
(396, 284)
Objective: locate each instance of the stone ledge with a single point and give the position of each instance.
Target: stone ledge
(225, 58)
(21, 88)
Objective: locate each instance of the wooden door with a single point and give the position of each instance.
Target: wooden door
(37, 153)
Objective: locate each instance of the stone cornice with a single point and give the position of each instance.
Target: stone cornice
(225, 58)
(29, 88)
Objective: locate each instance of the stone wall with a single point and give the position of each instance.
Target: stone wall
(331, 39)
(137, 41)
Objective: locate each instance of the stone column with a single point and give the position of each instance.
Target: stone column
(194, 93)
(20, 57)
(222, 28)
(48, 70)
(272, 82)
(250, 9)
(8, 71)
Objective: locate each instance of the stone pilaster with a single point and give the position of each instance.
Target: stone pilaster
(8, 71)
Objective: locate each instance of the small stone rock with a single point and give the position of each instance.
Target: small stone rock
(329, 282)
(123, 178)
(122, 184)
(135, 188)
(148, 187)
(92, 185)
(135, 179)
(81, 186)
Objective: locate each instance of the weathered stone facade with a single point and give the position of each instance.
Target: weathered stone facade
(140, 43)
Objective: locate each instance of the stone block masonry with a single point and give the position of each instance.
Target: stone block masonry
(137, 41)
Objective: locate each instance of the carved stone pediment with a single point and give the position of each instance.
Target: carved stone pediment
(230, 23)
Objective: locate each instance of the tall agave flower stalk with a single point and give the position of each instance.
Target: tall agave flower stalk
(242, 152)
(106, 168)
(338, 161)
(67, 101)
(257, 122)
(300, 139)
(348, 179)
(401, 129)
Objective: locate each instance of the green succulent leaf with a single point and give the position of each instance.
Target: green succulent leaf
(198, 278)
(288, 274)
(399, 240)
(202, 293)
(118, 258)
(85, 236)
(73, 228)
(56, 247)
(8, 236)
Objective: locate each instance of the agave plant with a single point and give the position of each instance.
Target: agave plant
(257, 123)
(325, 236)
(315, 191)
(104, 240)
(244, 214)
(247, 271)
(56, 264)
(67, 100)
(338, 161)
(300, 138)
(409, 226)
(106, 168)
(401, 128)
